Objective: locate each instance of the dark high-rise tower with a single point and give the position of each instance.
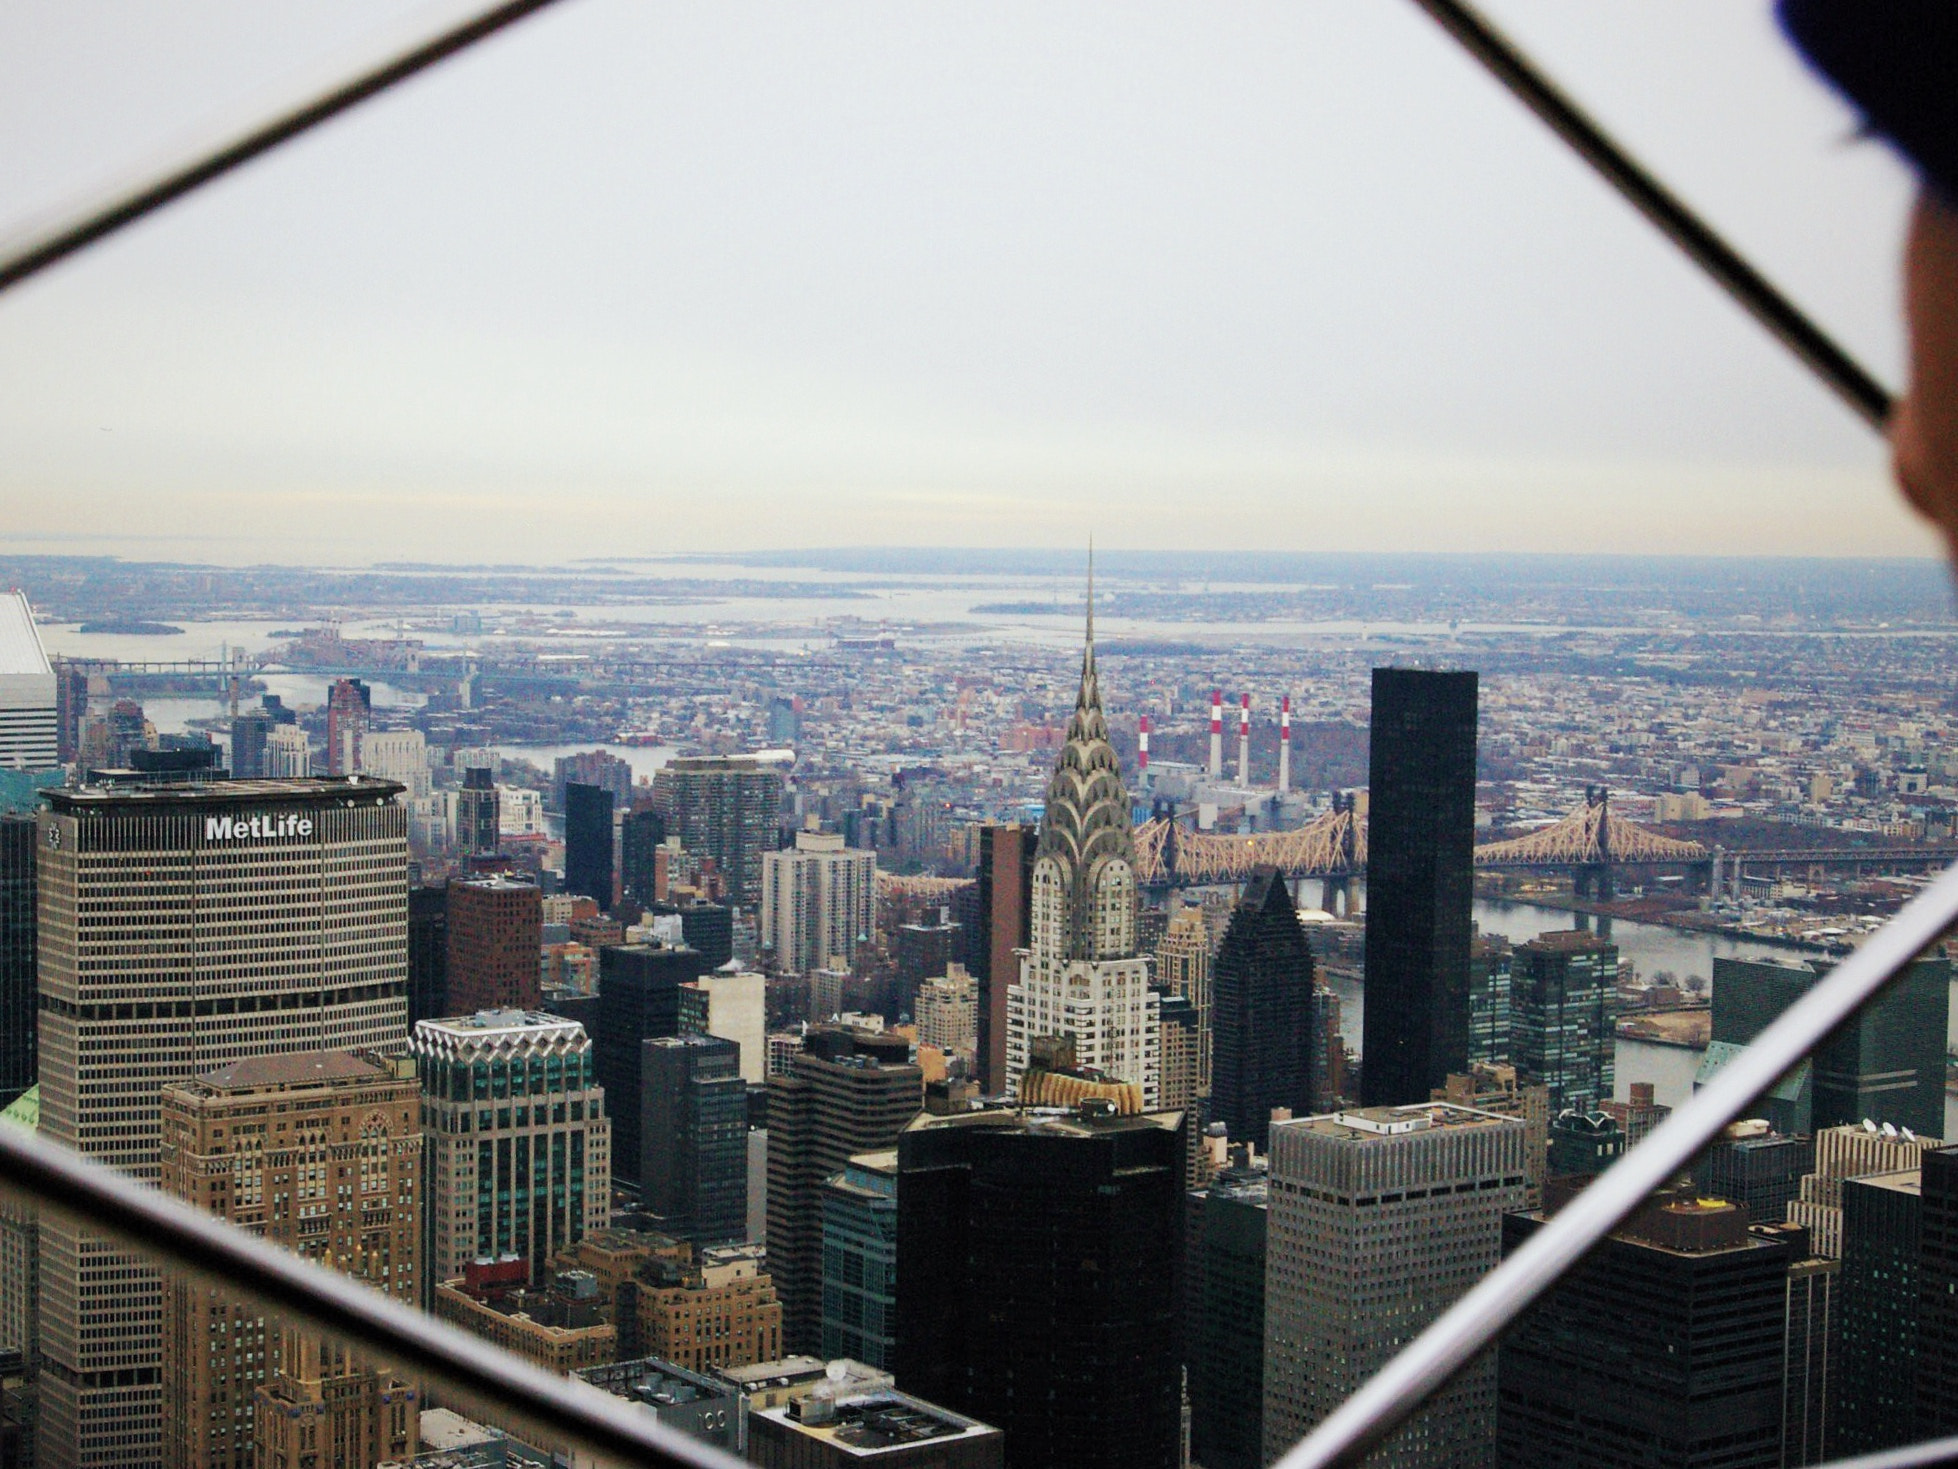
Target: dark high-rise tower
(641, 834)
(694, 1138)
(588, 842)
(639, 1000)
(1873, 1377)
(1937, 1295)
(349, 712)
(1420, 882)
(726, 807)
(1036, 1286)
(1261, 1007)
(428, 952)
(1664, 1345)
(1561, 1033)
(1005, 899)
(478, 813)
(18, 1000)
(496, 932)
(249, 732)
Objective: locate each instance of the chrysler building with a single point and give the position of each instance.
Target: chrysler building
(1081, 975)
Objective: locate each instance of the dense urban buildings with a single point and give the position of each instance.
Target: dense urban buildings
(518, 1142)
(588, 842)
(1379, 1220)
(693, 1177)
(294, 893)
(1262, 1042)
(264, 1143)
(1081, 976)
(846, 1092)
(495, 929)
(1420, 882)
(1051, 1240)
(726, 808)
(1005, 903)
(1664, 1345)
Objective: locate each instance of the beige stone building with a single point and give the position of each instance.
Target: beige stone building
(320, 1152)
(722, 1313)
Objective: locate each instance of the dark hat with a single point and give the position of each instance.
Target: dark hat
(1897, 63)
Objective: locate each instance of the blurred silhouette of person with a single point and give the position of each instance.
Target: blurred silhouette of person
(1896, 61)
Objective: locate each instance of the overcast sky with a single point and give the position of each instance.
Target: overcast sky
(640, 277)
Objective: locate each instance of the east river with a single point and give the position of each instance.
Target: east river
(1651, 948)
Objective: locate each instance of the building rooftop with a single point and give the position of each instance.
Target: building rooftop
(1566, 940)
(1087, 1121)
(21, 653)
(1366, 1124)
(873, 1423)
(1903, 1181)
(317, 790)
(297, 1069)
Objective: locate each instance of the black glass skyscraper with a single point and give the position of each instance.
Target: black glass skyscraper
(641, 834)
(638, 1000)
(1937, 1295)
(694, 1139)
(588, 842)
(1226, 1333)
(1261, 1013)
(1873, 1378)
(1036, 1281)
(428, 952)
(18, 997)
(1420, 882)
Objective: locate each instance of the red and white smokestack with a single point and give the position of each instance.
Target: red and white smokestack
(1244, 741)
(1216, 734)
(1285, 745)
(1142, 750)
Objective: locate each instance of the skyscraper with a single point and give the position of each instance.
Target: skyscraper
(1183, 968)
(256, 1143)
(1005, 898)
(818, 902)
(694, 1139)
(1887, 1064)
(249, 732)
(860, 1261)
(1037, 1282)
(726, 807)
(18, 998)
(1261, 994)
(641, 834)
(288, 753)
(1081, 976)
(1937, 1295)
(846, 1092)
(1561, 1031)
(1874, 1370)
(639, 999)
(1226, 1331)
(496, 935)
(1420, 881)
(1663, 1345)
(182, 928)
(28, 737)
(428, 952)
(479, 813)
(349, 711)
(1380, 1220)
(1489, 1000)
(520, 1149)
(588, 842)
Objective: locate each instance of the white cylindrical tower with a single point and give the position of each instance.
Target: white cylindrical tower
(1285, 745)
(1244, 741)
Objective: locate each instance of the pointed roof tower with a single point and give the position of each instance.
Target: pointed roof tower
(1087, 820)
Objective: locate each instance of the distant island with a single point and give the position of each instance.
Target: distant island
(132, 628)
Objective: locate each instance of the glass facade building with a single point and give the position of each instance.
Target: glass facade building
(694, 1138)
(860, 1261)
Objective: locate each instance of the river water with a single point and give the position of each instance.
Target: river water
(1651, 947)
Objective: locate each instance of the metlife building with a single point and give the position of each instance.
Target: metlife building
(184, 927)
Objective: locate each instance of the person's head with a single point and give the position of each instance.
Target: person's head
(1896, 61)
